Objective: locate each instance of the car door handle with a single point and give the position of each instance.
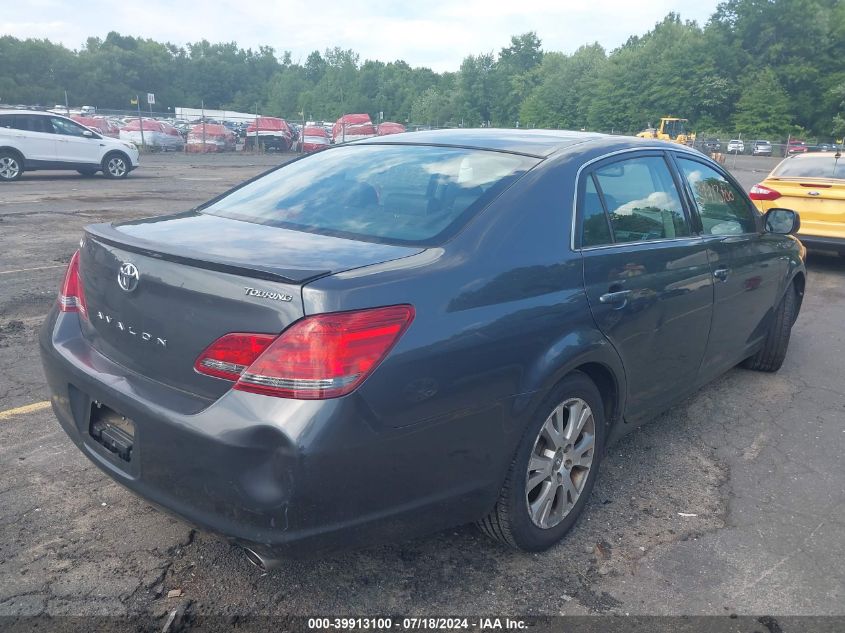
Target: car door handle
(615, 298)
(721, 273)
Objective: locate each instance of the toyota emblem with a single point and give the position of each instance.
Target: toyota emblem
(128, 276)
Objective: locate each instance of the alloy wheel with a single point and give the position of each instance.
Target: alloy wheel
(9, 168)
(560, 462)
(117, 167)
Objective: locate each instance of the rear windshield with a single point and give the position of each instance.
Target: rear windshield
(406, 194)
(821, 166)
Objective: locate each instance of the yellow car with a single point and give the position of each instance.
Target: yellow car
(812, 184)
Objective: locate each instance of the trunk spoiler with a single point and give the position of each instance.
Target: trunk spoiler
(108, 234)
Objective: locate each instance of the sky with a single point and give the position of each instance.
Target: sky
(435, 33)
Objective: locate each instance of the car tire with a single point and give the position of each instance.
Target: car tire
(11, 166)
(526, 503)
(773, 352)
(116, 165)
(87, 172)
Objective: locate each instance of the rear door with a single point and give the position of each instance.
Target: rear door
(748, 265)
(34, 136)
(646, 275)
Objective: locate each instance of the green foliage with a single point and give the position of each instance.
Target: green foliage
(763, 110)
(566, 87)
(762, 67)
(838, 123)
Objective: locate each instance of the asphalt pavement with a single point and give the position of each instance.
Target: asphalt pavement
(730, 503)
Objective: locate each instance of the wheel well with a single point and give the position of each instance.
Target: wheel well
(119, 153)
(17, 153)
(799, 281)
(606, 383)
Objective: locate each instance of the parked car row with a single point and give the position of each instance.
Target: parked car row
(762, 147)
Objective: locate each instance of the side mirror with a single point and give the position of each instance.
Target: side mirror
(87, 134)
(782, 221)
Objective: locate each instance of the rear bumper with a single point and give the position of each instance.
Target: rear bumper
(279, 476)
(823, 243)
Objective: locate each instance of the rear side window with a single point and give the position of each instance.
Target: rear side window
(640, 200)
(404, 194)
(17, 122)
(30, 123)
(596, 230)
(724, 210)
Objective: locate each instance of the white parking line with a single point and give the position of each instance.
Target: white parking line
(26, 270)
(27, 408)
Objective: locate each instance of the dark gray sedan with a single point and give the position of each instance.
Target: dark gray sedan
(413, 332)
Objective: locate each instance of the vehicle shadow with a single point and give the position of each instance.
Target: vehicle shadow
(48, 176)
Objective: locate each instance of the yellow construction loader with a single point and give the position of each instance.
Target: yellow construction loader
(671, 129)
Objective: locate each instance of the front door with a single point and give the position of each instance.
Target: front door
(646, 275)
(71, 144)
(747, 263)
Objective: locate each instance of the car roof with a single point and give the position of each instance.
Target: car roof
(539, 143)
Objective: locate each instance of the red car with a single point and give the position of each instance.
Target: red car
(98, 124)
(314, 138)
(797, 146)
(270, 132)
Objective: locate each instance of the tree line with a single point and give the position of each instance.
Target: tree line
(766, 68)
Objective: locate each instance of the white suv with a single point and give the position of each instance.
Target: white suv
(31, 140)
(736, 146)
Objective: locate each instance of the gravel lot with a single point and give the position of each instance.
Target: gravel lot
(732, 502)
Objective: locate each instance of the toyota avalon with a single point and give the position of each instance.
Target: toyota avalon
(412, 332)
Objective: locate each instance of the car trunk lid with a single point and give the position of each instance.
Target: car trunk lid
(160, 291)
(819, 201)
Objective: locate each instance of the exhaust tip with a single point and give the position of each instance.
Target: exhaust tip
(263, 563)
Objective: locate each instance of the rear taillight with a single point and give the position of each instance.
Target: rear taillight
(320, 356)
(71, 294)
(759, 192)
(230, 355)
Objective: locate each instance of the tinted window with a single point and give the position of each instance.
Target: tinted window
(66, 127)
(818, 166)
(392, 193)
(596, 230)
(724, 210)
(29, 122)
(642, 200)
